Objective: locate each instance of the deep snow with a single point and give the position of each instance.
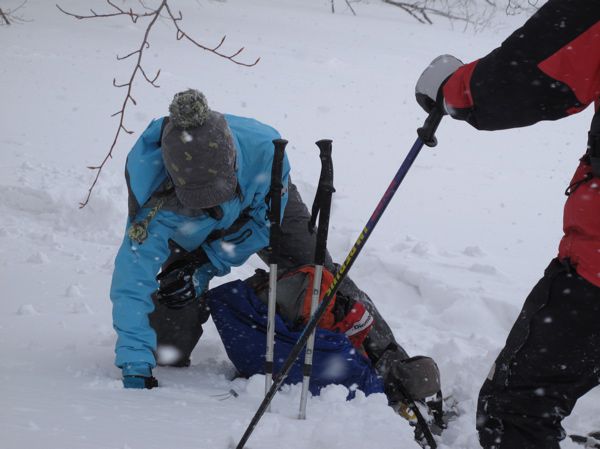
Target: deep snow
(471, 229)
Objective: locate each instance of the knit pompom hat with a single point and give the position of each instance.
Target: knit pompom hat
(199, 152)
(189, 109)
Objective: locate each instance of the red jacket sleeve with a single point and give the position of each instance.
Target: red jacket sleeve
(547, 69)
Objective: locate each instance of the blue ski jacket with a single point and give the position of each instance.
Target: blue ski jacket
(136, 265)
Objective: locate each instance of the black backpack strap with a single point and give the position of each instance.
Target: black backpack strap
(592, 155)
(198, 256)
(238, 224)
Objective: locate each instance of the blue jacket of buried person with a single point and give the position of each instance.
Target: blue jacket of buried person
(136, 265)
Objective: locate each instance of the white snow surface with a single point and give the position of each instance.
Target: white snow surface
(468, 234)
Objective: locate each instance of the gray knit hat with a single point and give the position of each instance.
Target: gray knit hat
(199, 153)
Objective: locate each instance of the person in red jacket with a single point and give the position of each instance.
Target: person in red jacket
(546, 70)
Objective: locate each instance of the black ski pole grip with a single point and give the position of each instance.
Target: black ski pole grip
(325, 181)
(326, 178)
(427, 132)
(322, 204)
(275, 197)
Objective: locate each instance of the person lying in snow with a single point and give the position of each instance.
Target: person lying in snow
(239, 311)
(546, 70)
(198, 182)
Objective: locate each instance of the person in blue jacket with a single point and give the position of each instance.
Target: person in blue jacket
(198, 185)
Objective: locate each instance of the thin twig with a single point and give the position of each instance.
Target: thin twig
(407, 8)
(9, 16)
(183, 35)
(347, 4)
(350, 6)
(4, 17)
(128, 98)
(120, 12)
(423, 10)
(515, 7)
(153, 15)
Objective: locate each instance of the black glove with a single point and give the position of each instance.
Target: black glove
(176, 287)
(429, 85)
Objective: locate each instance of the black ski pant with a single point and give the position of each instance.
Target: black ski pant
(551, 358)
(181, 328)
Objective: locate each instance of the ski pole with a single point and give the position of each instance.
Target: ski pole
(321, 208)
(274, 237)
(426, 137)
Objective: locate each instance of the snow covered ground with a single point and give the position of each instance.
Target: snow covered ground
(471, 229)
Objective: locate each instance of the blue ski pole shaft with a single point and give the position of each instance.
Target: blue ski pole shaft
(426, 137)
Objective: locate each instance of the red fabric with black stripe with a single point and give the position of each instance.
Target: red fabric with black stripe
(356, 322)
(577, 64)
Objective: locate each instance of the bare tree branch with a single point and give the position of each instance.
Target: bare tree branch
(421, 8)
(347, 4)
(183, 35)
(515, 7)
(9, 17)
(475, 13)
(410, 9)
(4, 17)
(350, 6)
(465, 11)
(119, 12)
(153, 80)
(153, 15)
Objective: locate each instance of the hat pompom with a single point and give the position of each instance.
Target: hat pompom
(189, 109)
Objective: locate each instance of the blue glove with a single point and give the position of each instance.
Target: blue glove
(138, 375)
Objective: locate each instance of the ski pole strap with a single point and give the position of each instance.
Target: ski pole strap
(138, 231)
(275, 199)
(322, 203)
